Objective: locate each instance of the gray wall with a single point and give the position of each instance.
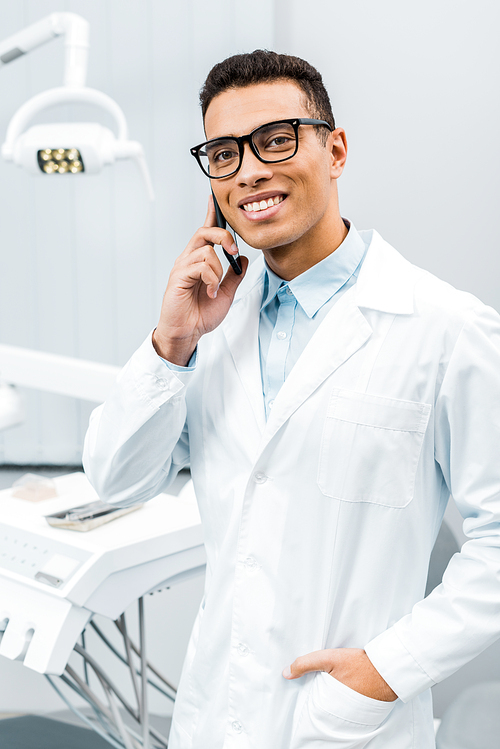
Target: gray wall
(83, 266)
(416, 87)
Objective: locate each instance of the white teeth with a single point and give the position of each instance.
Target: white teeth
(263, 204)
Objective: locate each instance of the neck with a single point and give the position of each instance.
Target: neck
(290, 260)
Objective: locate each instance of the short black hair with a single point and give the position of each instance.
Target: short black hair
(265, 66)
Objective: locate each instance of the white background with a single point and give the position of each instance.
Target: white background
(84, 261)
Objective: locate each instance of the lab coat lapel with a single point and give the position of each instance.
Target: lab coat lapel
(343, 331)
(241, 330)
(385, 284)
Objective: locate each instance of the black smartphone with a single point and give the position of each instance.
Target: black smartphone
(234, 260)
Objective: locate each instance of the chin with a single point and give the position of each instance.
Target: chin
(266, 239)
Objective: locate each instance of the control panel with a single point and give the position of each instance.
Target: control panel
(43, 559)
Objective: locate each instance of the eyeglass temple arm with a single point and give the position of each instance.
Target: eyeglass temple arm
(308, 121)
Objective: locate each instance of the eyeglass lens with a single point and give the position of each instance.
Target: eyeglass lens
(274, 142)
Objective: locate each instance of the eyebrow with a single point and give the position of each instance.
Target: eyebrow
(231, 135)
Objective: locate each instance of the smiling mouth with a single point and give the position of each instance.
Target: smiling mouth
(263, 204)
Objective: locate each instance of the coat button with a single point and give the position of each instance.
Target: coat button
(163, 384)
(260, 478)
(250, 563)
(236, 726)
(242, 649)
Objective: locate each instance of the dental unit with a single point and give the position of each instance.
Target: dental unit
(53, 581)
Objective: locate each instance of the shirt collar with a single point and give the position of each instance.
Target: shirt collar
(318, 284)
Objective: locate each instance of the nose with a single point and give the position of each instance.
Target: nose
(252, 170)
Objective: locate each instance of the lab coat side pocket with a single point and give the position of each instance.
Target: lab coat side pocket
(370, 448)
(336, 715)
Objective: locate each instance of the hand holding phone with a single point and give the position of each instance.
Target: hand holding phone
(199, 293)
(234, 260)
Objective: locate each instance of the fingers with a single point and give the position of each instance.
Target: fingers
(223, 236)
(203, 264)
(201, 248)
(211, 275)
(212, 235)
(199, 261)
(210, 218)
(319, 660)
(232, 280)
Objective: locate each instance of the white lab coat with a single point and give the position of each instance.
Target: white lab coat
(319, 523)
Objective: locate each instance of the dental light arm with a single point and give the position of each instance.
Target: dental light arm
(76, 30)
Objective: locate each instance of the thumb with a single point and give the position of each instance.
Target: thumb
(231, 281)
(316, 661)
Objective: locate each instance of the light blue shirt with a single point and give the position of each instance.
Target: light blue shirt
(292, 311)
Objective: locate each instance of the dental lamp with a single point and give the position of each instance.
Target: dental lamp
(70, 147)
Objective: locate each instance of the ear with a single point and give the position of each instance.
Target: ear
(337, 147)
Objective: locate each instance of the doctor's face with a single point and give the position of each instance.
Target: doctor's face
(302, 189)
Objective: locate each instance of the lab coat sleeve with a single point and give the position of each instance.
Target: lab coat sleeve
(461, 617)
(137, 441)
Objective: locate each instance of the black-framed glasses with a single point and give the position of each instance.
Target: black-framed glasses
(271, 143)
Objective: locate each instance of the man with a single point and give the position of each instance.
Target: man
(327, 407)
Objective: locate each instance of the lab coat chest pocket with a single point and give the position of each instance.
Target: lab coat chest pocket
(370, 448)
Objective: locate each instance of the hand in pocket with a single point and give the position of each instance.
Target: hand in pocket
(349, 703)
(350, 666)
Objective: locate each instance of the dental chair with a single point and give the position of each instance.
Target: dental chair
(53, 581)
